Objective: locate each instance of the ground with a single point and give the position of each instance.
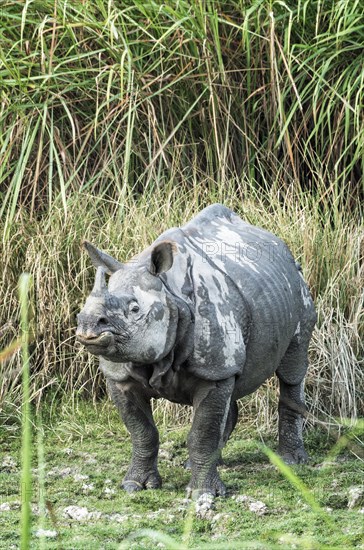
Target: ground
(83, 454)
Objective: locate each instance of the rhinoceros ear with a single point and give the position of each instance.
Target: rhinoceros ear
(102, 259)
(162, 257)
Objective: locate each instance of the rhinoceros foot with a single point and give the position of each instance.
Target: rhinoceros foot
(298, 456)
(213, 487)
(149, 481)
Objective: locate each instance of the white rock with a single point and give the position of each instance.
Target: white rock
(356, 496)
(7, 506)
(8, 463)
(80, 477)
(242, 498)
(119, 518)
(164, 454)
(258, 507)
(76, 512)
(35, 509)
(80, 513)
(220, 517)
(61, 472)
(204, 505)
(183, 504)
(65, 472)
(153, 515)
(95, 515)
(205, 498)
(288, 540)
(45, 533)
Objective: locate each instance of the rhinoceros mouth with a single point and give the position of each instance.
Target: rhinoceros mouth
(100, 341)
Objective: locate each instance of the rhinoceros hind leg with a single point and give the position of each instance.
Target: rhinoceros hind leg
(291, 411)
(231, 421)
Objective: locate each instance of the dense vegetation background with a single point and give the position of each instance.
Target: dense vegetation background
(120, 119)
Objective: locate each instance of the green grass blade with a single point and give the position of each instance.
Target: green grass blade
(26, 480)
(296, 482)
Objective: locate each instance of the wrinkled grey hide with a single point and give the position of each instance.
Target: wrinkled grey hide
(202, 317)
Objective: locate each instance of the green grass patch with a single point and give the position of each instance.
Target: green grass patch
(86, 453)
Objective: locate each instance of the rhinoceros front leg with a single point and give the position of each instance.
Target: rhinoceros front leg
(211, 408)
(136, 413)
(231, 421)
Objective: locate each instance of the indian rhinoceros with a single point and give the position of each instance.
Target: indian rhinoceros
(201, 317)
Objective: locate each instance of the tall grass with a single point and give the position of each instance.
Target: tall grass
(109, 96)
(114, 113)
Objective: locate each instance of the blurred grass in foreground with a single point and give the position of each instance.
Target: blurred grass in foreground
(26, 453)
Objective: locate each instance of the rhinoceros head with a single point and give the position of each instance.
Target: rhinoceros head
(133, 317)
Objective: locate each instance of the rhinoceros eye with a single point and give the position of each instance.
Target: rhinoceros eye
(134, 308)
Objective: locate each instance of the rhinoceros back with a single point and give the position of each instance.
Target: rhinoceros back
(247, 292)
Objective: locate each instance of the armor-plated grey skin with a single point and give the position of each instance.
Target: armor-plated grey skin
(202, 317)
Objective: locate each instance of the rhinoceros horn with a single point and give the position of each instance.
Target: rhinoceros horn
(100, 286)
(100, 258)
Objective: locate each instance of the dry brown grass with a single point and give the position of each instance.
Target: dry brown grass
(50, 250)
